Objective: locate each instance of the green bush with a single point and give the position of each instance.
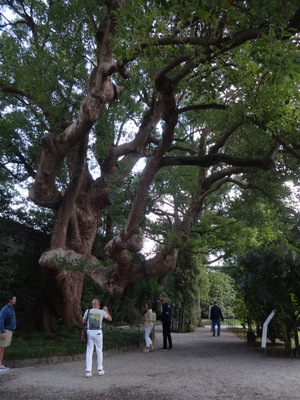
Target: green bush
(32, 344)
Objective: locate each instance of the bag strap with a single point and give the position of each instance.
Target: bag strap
(87, 318)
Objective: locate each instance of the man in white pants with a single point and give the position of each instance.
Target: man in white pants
(92, 318)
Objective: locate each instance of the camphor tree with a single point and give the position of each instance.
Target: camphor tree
(89, 89)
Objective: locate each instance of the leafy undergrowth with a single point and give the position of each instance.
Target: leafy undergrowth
(66, 342)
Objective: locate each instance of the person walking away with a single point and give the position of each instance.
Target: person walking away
(7, 326)
(209, 308)
(93, 318)
(149, 319)
(166, 318)
(216, 316)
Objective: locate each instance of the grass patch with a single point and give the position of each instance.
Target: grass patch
(240, 332)
(32, 344)
(228, 322)
(236, 326)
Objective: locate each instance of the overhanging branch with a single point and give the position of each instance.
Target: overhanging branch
(212, 106)
(214, 159)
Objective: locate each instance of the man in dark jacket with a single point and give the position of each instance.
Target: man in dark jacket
(216, 317)
(166, 319)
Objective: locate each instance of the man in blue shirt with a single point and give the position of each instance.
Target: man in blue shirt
(166, 319)
(7, 326)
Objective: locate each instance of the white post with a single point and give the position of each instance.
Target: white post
(265, 329)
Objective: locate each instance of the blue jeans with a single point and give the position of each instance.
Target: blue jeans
(147, 336)
(214, 323)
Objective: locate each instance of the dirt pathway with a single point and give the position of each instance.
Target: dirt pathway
(199, 367)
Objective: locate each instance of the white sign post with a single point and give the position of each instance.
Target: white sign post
(265, 329)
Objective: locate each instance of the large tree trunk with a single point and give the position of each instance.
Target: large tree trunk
(61, 299)
(287, 340)
(77, 220)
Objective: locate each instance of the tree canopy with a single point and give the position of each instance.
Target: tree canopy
(109, 109)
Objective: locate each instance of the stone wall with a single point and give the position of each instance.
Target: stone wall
(20, 273)
(20, 239)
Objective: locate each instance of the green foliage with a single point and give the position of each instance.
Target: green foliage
(123, 191)
(63, 342)
(222, 290)
(269, 279)
(186, 285)
(52, 69)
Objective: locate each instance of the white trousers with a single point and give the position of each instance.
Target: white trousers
(94, 338)
(147, 336)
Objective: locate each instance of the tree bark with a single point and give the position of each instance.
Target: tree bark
(61, 299)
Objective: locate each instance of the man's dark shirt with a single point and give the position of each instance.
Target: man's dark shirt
(216, 313)
(166, 313)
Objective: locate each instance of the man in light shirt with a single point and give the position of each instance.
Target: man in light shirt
(93, 318)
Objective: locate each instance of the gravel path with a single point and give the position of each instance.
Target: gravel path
(199, 367)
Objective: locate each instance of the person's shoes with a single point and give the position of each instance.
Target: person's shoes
(163, 349)
(151, 347)
(214, 334)
(101, 372)
(218, 334)
(170, 348)
(146, 350)
(3, 368)
(88, 374)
